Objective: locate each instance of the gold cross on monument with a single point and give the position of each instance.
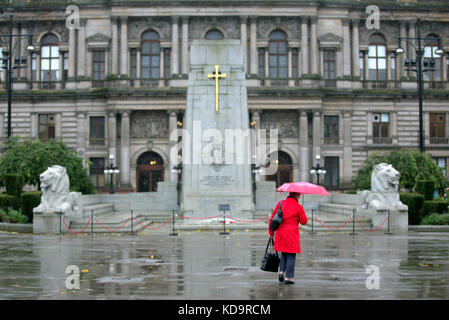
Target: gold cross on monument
(217, 75)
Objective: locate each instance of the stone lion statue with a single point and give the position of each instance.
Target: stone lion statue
(384, 192)
(55, 192)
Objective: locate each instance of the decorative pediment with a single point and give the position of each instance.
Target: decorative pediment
(98, 41)
(330, 40)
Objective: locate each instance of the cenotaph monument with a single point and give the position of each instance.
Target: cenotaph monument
(216, 143)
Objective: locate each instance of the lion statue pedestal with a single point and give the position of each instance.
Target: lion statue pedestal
(56, 201)
(383, 199)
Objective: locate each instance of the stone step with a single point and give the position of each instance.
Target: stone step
(337, 208)
(110, 226)
(97, 209)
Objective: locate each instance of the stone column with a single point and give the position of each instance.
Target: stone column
(355, 49)
(124, 46)
(185, 45)
(400, 62)
(175, 46)
(33, 125)
(304, 46)
(267, 68)
(112, 134)
(58, 125)
(72, 56)
(161, 68)
(256, 119)
(138, 68)
(124, 150)
(61, 65)
(346, 49)
(244, 41)
(313, 46)
(304, 174)
(347, 149)
(114, 51)
(23, 53)
(82, 49)
(316, 133)
(253, 45)
(366, 69)
(412, 34)
(172, 126)
(443, 68)
(81, 134)
(15, 50)
(388, 65)
(291, 82)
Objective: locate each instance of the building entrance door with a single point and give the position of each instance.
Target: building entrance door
(150, 170)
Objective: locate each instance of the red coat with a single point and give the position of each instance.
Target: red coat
(287, 235)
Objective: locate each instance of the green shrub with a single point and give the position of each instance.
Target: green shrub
(13, 184)
(8, 202)
(3, 216)
(30, 200)
(415, 203)
(426, 188)
(16, 216)
(350, 191)
(436, 219)
(435, 206)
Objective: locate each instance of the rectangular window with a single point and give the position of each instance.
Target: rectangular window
(393, 67)
(65, 74)
(332, 176)
(133, 54)
(381, 128)
(98, 65)
(96, 131)
(331, 134)
(47, 127)
(362, 65)
(295, 63)
(438, 128)
(442, 163)
(96, 171)
(261, 63)
(167, 73)
(329, 64)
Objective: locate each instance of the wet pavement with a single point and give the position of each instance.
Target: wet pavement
(207, 265)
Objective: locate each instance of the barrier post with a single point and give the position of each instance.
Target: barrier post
(92, 222)
(173, 233)
(60, 227)
(353, 233)
(312, 232)
(132, 218)
(388, 223)
(224, 224)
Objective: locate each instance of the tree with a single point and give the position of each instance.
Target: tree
(30, 158)
(412, 164)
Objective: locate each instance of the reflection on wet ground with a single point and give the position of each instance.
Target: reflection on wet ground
(206, 265)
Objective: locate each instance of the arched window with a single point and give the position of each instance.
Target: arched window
(430, 46)
(49, 58)
(377, 58)
(214, 34)
(284, 173)
(150, 55)
(278, 54)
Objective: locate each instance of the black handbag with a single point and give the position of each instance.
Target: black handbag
(277, 219)
(271, 260)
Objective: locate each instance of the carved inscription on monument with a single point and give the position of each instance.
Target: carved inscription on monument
(217, 181)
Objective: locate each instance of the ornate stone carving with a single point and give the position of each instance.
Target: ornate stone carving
(229, 25)
(161, 25)
(267, 24)
(49, 27)
(285, 121)
(149, 124)
(384, 189)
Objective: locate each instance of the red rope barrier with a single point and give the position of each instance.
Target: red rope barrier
(248, 221)
(333, 228)
(386, 218)
(162, 225)
(112, 230)
(74, 231)
(193, 218)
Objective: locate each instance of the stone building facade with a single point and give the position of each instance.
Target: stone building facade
(117, 82)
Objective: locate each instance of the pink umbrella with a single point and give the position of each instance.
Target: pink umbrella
(303, 188)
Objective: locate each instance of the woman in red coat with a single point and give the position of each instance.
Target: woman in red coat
(287, 235)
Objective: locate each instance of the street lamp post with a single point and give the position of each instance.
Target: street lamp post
(111, 170)
(7, 63)
(318, 169)
(417, 66)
